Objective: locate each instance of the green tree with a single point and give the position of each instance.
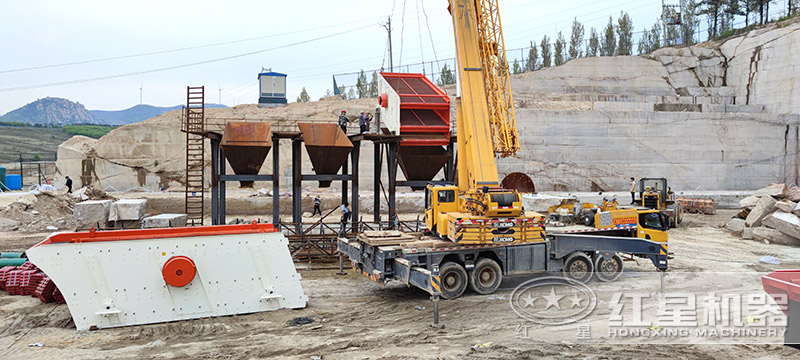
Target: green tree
(446, 76)
(608, 45)
(362, 86)
(532, 62)
(373, 85)
(545, 46)
(36, 157)
(689, 22)
(713, 9)
(516, 68)
(624, 34)
(558, 49)
(593, 47)
(351, 94)
(303, 96)
(576, 39)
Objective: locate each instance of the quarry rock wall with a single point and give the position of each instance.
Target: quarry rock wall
(715, 116)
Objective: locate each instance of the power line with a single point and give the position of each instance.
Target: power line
(99, 78)
(161, 51)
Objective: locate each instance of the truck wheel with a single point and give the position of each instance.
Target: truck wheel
(578, 267)
(608, 270)
(588, 219)
(453, 280)
(486, 277)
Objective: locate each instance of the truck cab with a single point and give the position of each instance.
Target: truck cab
(440, 200)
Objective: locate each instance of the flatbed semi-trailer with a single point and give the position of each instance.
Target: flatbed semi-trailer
(447, 269)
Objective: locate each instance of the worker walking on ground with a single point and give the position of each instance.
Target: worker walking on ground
(343, 121)
(317, 203)
(633, 191)
(69, 185)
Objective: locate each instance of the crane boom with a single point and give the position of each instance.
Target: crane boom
(486, 124)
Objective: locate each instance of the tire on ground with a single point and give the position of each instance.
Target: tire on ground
(486, 277)
(453, 280)
(578, 267)
(608, 270)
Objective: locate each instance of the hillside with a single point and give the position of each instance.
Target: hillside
(29, 141)
(136, 113)
(51, 111)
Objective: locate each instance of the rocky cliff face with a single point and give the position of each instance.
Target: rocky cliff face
(52, 111)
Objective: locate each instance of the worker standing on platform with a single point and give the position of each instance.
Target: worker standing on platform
(317, 203)
(343, 121)
(369, 122)
(633, 191)
(363, 123)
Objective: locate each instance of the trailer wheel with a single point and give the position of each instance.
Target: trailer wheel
(486, 277)
(453, 280)
(578, 267)
(608, 270)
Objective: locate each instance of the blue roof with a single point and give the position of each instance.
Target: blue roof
(271, 73)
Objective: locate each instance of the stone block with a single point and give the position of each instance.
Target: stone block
(735, 226)
(128, 209)
(749, 202)
(785, 205)
(796, 210)
(779, 191)
(165, 221)
(784, 222)
(764, 207)
(8, 224)
(794, 194)
(763, 233)
(91, 213)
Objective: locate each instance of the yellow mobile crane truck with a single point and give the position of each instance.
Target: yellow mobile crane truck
(480, 231)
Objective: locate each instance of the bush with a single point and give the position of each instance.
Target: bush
(92, 131)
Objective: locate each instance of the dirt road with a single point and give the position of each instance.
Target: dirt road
(356, 318)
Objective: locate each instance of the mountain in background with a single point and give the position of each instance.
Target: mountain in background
(52, 111)
(136, 113)
(58, 111)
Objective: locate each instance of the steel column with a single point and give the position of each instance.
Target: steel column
(449, 169)
(222, 188)
(214, 181)
(376, 165)
(392, 167)
(276, 174)
(354, 155)
(297, 184)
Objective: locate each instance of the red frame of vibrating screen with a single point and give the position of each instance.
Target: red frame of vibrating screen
(142, 234)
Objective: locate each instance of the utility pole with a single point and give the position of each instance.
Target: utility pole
(388, 27)
(140, 94)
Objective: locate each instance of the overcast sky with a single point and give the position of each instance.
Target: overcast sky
(308, 40)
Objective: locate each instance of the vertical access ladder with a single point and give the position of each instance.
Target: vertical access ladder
(193, 124)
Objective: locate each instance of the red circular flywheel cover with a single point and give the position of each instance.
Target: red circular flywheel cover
(179, 271)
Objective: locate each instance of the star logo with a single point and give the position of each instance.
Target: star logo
(576, 301)
(552, 299)
(528, 300)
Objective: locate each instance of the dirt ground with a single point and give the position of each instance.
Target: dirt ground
(356, 318)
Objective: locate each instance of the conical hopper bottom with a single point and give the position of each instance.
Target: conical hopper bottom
(421, 163)
(327, 147)
(246, 145)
